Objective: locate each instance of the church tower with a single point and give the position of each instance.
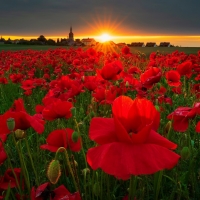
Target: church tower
(71, 35)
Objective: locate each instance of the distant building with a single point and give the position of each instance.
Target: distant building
(164, 44)
(71, 38)
(88, 41)
(137, 44)
(151, 44)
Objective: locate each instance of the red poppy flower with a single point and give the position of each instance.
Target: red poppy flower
(57, 109)
(181, 117)
(134, 70)
(177, 90)
(28, 92)
(126, 50)
(61, 138)
(197, 128)
(3, 80)
(173, 78)
(111, 70)
(22, 119)
(150, 77)
(91, 82)
(104, 96)
(16, 78)
(3, 154)
(28, 85)
(185, 68)
(62, 193)
(8, 179)
(44, 192)
(128, 142)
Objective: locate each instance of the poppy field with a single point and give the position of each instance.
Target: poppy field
(83, 124)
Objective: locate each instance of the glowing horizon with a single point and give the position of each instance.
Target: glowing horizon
(181, 40)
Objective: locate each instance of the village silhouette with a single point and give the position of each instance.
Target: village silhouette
(70, 41)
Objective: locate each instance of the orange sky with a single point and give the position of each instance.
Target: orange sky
(184, 41)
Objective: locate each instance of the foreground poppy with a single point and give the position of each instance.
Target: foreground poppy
(57, 109)
(173, 78)
(61, 138)
(150, 77)
(110, 71)
(8, 179)
(128, 143)
(3, 154)
(22, 119)
(182, 115)
(44, 192)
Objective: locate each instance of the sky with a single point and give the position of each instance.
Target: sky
(176, 21)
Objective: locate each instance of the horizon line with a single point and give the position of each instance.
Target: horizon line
(113, 36)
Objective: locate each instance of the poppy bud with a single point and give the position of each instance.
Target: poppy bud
(73, 110)
(167, 128)
(156, 102)
(75, 163)
(82, 110)
(85, 171)
(185, 153)
(54, 171)
(127, 84)
(158, 85)
(20, 134)
(117, 83)
(10, 124)
(83, 78)
(75, 136)
(96, 189)
(92, 114)
(157, 108)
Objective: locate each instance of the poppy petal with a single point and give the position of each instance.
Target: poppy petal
(102, 130)
(156, 138)
(124, 160)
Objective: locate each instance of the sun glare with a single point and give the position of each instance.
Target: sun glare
(105, 37)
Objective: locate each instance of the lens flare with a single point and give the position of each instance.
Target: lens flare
(105, 37)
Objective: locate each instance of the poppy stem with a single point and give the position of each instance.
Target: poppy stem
(157, 183)
(23, 166)
(79, 133)
(29, 153)
(68, 164)
(132, 188)
(9, 161)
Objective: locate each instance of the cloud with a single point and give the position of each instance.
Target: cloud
(51, 17)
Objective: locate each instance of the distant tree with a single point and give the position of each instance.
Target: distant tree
(58, 40)
(51, 42)
(42, 39)
(2, 39)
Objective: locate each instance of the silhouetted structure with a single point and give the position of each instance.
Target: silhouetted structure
(164, 44)
(151, 44)
(137, 44)
(88, 41)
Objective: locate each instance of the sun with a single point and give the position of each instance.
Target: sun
(105, 37)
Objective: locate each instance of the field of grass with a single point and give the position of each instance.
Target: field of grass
(148, 50)
(145, 50)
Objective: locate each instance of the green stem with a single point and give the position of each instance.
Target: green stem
(82, 150)
(24, 170)
(68, 164)
(29, 153)
(157, 183)
(9, 161)
(132, 187)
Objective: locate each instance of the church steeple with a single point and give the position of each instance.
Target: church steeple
(71, 35)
